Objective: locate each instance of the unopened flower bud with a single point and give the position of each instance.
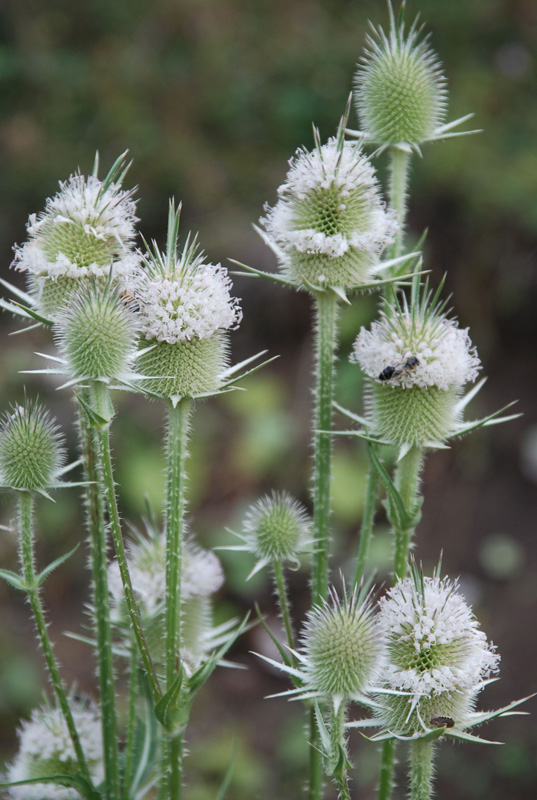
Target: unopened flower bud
(31, 452)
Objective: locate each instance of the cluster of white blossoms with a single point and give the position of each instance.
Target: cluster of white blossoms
(437, 655)
(45, 750)
(445, 354)
(85, 229)
(201, 575)
(329, 225)
(185, 304)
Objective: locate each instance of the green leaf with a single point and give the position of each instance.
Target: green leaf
(95, 418)
(251, 371)
(147, 741)
(289, 662)
(403, 519)
(41, 578)
(167, 711)
(71, 781)
(201, 675)
(226, 780)
(13, 579)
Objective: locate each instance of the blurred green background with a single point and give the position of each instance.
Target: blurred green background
(212, 97)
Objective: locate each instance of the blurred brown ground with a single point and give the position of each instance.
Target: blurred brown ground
(212, 98)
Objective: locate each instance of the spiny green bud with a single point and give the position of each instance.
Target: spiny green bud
(400, 88)
(30, 448)
(436, 656)
(46, 750)
(340, 648)
(277, 528)
(329, 225)
(417, 361)
(96, 335)
(86, 232)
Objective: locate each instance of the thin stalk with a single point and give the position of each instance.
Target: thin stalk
(421, 770)
(283, 601)
(25, 503)
(366, 531)
(337, 735)
(106, 484)
(387, 764)
(315, 786)
(177, 438)
(99, 566)
(326, 308)
(397, 189)
(407, 479)
(131, 723)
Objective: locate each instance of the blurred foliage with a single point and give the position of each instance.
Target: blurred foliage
(212, 97)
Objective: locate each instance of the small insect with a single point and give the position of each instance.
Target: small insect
(393, 370)
(442, 722)
(129, 301)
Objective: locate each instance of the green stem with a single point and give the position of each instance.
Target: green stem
(25, 502)
(99, 565)
(283, 601)
(337, 735)
(177, 438)
(407, 479)
(397, 189)
(131, 722)
(107, 486)
(387, 764)
(315, 786)
(421, 771)
(366, 531)
(326, 320)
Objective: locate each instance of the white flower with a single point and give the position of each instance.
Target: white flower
(184, 304)
(446, 357)
(202, 573)
(329, 225)
(86, 228)
(46, 750)
(437, 656)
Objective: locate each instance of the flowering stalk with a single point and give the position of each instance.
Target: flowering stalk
(97, 541)
(407, 483)
(126, 775)
(326, 308)
(397, 189)
(366, 530)
(337, 741)
(421, 773)
(176, 447)
(283, 601)
(25, 504)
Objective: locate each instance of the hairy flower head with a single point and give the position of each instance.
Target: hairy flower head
(184, 308)
(45, 749)
(417, 361)
(400, 90)
(86, 232)
(437, 656)
(31, 452)
(329, 225)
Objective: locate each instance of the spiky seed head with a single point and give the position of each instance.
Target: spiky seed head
(431, 359)
(329, 225)
(86, 231)
(201, 576)
(96, 334)
(400, 89)
(45, 749)
(184, 309)
(436, 654)
(31, 451)
(277, 528)
(340, 647)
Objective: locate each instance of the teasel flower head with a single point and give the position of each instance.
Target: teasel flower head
(85, 233)
(31, 449)
(45, 750)
(329, 225)
(201, 577)
(341, 651)
(417, 362)
(277, 528)
(400, 88)
(185, 308)
(438, 659)
(96, 335)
